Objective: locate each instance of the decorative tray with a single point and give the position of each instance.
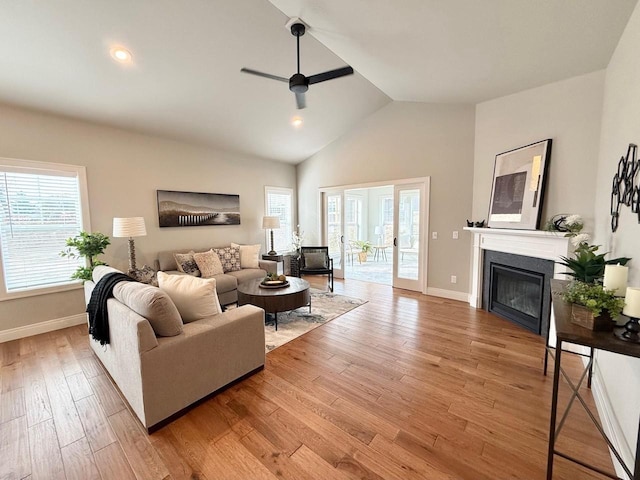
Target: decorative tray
(274, 284)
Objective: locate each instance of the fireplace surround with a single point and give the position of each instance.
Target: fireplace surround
(517, 288)
(529, 243)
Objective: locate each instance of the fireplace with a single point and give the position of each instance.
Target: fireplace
(517, 287)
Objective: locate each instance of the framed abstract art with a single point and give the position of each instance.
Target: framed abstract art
(518, 187)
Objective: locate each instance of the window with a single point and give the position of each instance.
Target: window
(387, 210)
(353, 217)
(41, 205)
(279, 203)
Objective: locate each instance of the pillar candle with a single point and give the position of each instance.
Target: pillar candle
(615, 278)
(632, 302)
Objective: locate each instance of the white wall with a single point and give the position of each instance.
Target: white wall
(405, 140)
(569, 112)
(620, 126)
(124, 171)
(591, 119)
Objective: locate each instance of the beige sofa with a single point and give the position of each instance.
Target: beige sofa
(227, 283)
(160, 376)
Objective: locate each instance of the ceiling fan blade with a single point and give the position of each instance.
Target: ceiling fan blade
(301, 101)
(330, 75)
(262, 74)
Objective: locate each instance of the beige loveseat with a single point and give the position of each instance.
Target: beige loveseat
(161, 375)
(226, 283)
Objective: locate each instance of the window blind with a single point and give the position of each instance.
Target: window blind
(279, 204)
(38, 212)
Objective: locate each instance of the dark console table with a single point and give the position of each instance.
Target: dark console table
(570, 333)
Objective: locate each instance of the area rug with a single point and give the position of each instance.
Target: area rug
(325, 306)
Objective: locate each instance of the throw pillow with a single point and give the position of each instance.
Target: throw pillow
(249, 255)
(230, 258)
(146, 275)
(186, 263)
(151, 303)
(195, 298)
(208, 263)
(315, 260)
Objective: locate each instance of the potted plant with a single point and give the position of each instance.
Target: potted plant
(593, 306)
(365, 248)
(89, 246)
(587, 266)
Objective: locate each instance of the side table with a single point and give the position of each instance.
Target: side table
(294, 266)
(570, 333)
(276, 258)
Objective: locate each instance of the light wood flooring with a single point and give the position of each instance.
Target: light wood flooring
(404, 387)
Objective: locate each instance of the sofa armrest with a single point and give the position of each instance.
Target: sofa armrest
(208, 354)
(269, 265)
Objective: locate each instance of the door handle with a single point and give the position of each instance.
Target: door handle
(395, 241)
(341, 238)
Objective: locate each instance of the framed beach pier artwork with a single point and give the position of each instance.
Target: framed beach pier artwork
(192, 209)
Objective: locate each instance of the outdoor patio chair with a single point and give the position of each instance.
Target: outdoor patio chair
(316, 261)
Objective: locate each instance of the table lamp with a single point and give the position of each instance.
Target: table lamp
(271, 223)
(631, 331)
(130, 227)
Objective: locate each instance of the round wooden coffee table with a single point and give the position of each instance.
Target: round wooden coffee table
(274, 300)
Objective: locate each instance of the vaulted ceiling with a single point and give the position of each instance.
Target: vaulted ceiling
(185, 83)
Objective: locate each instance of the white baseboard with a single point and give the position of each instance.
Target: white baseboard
(450, 294)
(42, 327)
(610, 423)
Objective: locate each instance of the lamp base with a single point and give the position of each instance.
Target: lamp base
(631, 332)
(272, 253)
(132, 255)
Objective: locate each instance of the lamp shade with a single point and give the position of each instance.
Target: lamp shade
(129, 227)
(270, 222)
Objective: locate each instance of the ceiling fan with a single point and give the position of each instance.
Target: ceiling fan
(298, 83)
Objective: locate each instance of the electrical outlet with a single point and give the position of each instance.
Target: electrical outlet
(434, 235)
(454, 279)
(455, 234)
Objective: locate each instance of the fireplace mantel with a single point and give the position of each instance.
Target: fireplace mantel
(531, 243)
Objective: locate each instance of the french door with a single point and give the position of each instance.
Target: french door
(333, 228)
(409, 246)
(410, 215)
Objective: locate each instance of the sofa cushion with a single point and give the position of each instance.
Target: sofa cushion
(230, 258)
(247, 274)
(195, 298)
(187, 264)
(208, 263)
(226, 283)
(249, 255)
(151, 303)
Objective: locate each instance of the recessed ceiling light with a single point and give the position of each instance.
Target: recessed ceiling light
(296, 122)
(121, 54)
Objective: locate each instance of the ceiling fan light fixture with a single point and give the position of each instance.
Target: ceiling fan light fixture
(297, 122)
(298, 82)
(121, 55)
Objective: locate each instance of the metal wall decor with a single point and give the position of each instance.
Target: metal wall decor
(625, 190)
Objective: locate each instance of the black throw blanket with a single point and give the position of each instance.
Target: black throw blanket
(97, 308)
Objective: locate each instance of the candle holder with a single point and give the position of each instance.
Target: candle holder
(631, 331)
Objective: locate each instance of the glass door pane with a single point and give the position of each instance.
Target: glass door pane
(333, 229)
(408, 251)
